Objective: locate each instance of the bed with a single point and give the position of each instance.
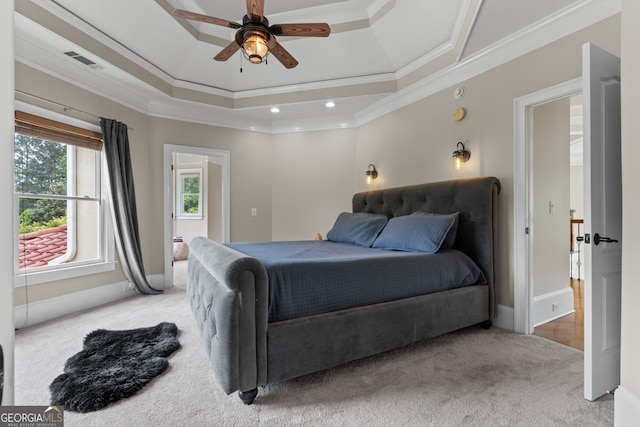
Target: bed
(271, 311)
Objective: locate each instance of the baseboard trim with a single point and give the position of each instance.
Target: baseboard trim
(52, 308)
(504, 318)
(626, 408)
(543, 311)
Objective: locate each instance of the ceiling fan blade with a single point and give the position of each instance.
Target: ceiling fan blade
(283, 56)
(255, 10)
(204, 18)
(301, 30)
(227, 52)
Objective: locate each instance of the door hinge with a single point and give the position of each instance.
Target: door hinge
(526, 230)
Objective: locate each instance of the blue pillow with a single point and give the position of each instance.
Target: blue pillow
(418, 232)
(357, 228)
(450, 239)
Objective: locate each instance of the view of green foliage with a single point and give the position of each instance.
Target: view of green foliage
(190, 204)
(40, 168)
(28, 226)
(191, 192)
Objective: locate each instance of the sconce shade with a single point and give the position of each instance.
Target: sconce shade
(461, 155)
(371, 173)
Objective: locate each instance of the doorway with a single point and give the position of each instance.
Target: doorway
(558, 211)
(524, 209)
(196, 198)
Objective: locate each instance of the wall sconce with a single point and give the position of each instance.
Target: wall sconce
(371, 173)
(461, 155)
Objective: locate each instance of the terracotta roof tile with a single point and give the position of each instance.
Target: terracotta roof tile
(37, 249)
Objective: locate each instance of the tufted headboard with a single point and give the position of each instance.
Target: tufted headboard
(476, 199)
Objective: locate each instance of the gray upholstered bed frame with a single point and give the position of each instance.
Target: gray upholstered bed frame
(228, 293)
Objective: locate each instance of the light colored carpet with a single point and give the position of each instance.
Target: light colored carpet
(469, 378)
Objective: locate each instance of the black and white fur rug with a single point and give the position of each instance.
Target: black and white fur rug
(113, 365)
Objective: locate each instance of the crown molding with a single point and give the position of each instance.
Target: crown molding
(128, 91)
(84, 77)
(550, 30)
(74, 21)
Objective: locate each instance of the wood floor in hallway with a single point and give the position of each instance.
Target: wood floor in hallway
(569, 329)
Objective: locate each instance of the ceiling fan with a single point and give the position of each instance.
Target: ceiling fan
(255, 37)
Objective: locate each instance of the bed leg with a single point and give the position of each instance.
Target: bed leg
(248, 396)
(486, 324)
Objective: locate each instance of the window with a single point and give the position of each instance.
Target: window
(189, 198)
(62, 229)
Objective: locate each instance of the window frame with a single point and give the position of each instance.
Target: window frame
(180, 175)
(106, 245)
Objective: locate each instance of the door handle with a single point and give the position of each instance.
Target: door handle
(597, 239)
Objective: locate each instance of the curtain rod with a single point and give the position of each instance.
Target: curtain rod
(65, 107)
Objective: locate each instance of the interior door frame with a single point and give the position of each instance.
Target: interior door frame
(523, 140)
(225, 161)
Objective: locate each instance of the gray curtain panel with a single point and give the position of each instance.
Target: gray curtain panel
(123, 203)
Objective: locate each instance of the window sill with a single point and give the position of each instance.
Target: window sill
(34, 277)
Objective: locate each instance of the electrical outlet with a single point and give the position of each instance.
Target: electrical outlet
(555, 306)
(254, 212)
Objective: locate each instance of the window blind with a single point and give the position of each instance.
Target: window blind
(51, 130)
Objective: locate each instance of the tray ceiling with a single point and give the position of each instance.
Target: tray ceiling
(381, 54)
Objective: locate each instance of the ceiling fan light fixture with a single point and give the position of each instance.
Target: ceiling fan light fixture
(255, 37)
(254, 46)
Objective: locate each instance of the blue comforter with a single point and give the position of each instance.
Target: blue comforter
(313, 277)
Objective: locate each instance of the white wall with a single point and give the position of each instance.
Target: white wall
(6, 194)
(576, 201)
(214, 200)
(550, 228)
(627, 415)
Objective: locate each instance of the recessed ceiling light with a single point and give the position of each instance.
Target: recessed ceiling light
(275, 110)
(330, 104)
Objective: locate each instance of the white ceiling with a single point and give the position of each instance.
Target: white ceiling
(380, 56)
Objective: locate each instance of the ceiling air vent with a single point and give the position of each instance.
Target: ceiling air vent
(82, 59)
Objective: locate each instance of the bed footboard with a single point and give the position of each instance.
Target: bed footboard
(228, 294)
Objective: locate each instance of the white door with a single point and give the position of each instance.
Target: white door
(603, 220)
